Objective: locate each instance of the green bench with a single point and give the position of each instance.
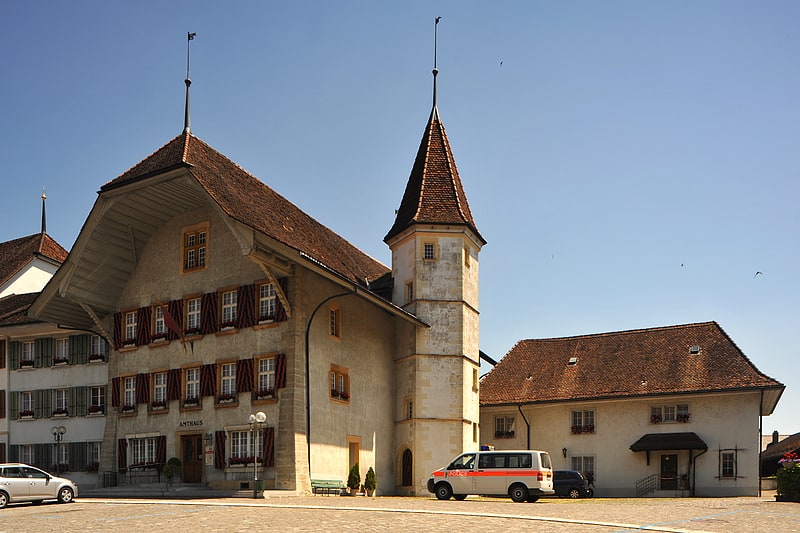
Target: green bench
(327, 486)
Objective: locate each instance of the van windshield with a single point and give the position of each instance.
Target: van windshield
(464, 462)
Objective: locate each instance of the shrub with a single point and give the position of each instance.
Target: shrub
(370, 481)
(354, 478)
(789, 483)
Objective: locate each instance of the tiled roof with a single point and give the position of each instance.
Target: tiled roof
(623, 364)
(434, 193)
(776, 451)
(248, 200)
(17, 253)
(14, 308)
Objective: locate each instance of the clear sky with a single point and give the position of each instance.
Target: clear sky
(631, 164)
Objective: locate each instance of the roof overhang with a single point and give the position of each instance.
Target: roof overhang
(669, 441)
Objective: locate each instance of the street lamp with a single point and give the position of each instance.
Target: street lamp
(58, 436)
(255, 424)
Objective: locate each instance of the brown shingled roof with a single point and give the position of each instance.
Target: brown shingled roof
(623, 364)
(14, 309)
(248, 200)
(434, 193)
(17, 253)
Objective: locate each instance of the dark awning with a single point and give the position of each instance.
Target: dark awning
(669, 441)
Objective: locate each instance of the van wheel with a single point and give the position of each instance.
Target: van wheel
(460, 497)
(533, 499)
(443, 491)
(518, 492)
(574, 494)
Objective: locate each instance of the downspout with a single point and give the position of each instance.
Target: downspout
(308, 377)
(694, 470)
(519, 406)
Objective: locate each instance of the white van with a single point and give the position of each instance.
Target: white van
(523, 475)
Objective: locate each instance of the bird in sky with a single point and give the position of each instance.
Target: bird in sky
(757, 273)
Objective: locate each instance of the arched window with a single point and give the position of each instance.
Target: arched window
(407, 469)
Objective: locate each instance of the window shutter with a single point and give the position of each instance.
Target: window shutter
(219, 449)
(115, 392)
(13, 405)
(14, 349)
(117, 331)
(209, 321)
(78, 401)
(143, 388)
(122, 455)
(2, 353)
(175, 311)
(161, 450)
(245, 306)
(244, 375)
(269, 447)
(2, 403)
(43, 352)
(77, 456)
(208, 380)
(174, 384)
(280, 371)
(143, 325)
(43, 403)
(78, 349)
(280, 312)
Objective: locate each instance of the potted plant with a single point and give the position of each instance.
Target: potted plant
(354, 479)
(370, 482)
(172, 470)
(788, 478)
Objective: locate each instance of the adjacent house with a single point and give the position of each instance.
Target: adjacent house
(659, 411)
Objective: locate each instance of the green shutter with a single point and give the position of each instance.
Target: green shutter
(43, 403)
(14, 350)
(78, 397)
(43, 352)
(78, 349)
(13, 405)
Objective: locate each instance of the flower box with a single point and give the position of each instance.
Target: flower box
(334, 393)
(94, 409)
(91, 467)
(26, 414)
(683, 417)
(128, 408)
(655, 419)
(265, 393)
(226, 398)
(60, 361)
(504, 434)
(26, 363)
(576, 430)
(159, 405)
(60, 412)
(97, 358)
(269, 319)
(225, 326)
(243, 461)
(344, 396)
(191, 402)
(588, 428)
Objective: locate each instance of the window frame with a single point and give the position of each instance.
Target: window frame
(143, 451)
(98, 348)
(193, 316)
(194, 400)
(27, 351)
(266, 302)
(128, 391)
(335, 322)
(429, 251)
(160, 330)
(227, 382)
(583, 421)
(669, 413)
(60, 402)
(504, 427)
(194, 244)
(97, 399)
(159, 387)
(228, 308)
(265, 377)
(339, 384)
(129, 326)
(728, 463)
(61, 350)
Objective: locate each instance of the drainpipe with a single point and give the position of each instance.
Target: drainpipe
(308, 378)
(519, 406)
(694, 470)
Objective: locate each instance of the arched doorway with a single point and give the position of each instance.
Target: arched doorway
(407, 469)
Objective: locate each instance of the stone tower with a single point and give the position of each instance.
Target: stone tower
(435, 246)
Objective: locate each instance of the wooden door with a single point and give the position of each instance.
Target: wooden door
(192, 452)
(669, 471)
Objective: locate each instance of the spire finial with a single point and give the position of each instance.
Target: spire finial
(186, 119)
(44, 216)
(435, 46)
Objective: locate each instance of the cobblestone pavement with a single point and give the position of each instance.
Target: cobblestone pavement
(333, 513)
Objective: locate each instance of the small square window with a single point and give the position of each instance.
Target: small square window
(334, 322)
(429, 250)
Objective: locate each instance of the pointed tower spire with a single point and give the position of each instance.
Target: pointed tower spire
(44, 216)
(434, 193)
(186, 117)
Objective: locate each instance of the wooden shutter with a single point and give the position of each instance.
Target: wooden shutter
(143, 325)
(208, 380)
(244, 375)
(118, 331)
(209, 321)
(219, 449)
(269, 446)
(175, 310)
(14, 350)
(280, 371)
(245, 306)
(174, 384)
(161, 449)
(280, 312)
(115, 391)
(143, 388)
(43, 352)
(122, 455)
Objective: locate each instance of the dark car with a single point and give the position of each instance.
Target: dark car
(571, 483)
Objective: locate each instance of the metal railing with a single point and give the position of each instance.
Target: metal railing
(646, 485)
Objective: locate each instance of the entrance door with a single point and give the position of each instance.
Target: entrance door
(669, 471)
(192, 451)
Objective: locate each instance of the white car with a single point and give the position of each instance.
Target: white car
(24, 483)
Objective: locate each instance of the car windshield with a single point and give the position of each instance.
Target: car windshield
(465, 462)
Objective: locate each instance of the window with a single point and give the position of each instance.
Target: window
(227, 382)
(62, 456)
(582, 422)
(193, 315)
(266, 302)
(669, 413)
(727, 463)
(192, 386)
(97, 400)
(26, 404)
(475, 379)
(334, 322)
(99, 348)
(159, 325)
(504, 427)
(242, 449)
(62, 351)
(195, 240)
(583, 464)
(266, 377)
(474, 432)
(60, 402)
(409, 292)
(27, 353)
(228, 318)
(410, 409)
(130, 326)
(129, 394)
(26, 454)
(467, 256)
(93, 453)
(340, 383)
(143, 451)
(159, 390)
(429, 250)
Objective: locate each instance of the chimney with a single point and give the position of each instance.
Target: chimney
(775, 437)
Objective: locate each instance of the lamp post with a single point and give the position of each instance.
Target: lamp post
(58, 436)
(256, 420)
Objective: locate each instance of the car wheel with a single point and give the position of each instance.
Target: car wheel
(460, 497)
(3, 499)
(65, 495)
(518, 493)
(589, 492)
(574, 493)
(443, 491)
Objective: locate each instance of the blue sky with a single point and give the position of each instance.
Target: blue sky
(631, 164)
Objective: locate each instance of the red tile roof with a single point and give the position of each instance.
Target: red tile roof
(434, 193)
(14, 309)
(17, 253)
(248, 200)
(633, 363)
